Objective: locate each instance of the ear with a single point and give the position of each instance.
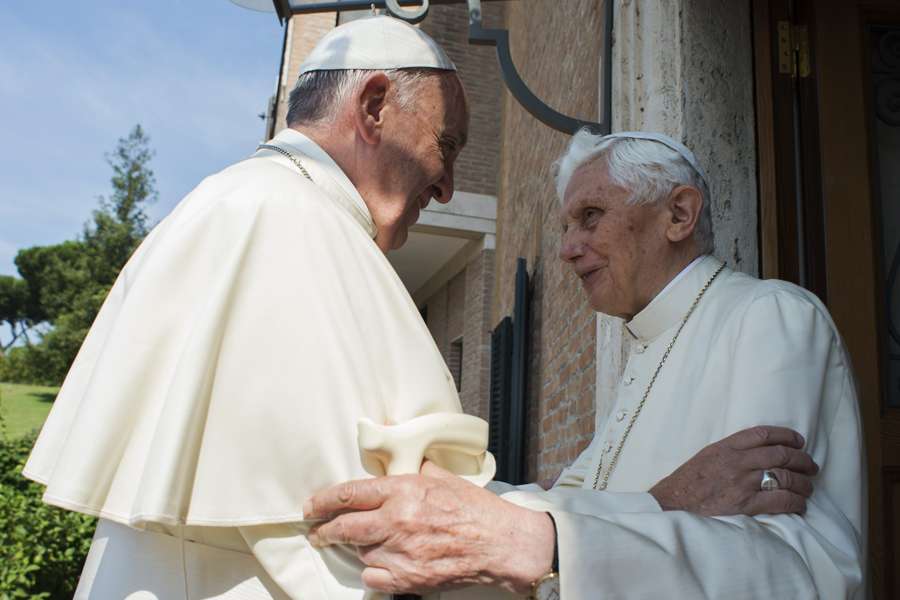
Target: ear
(368, 106)
(683, 207)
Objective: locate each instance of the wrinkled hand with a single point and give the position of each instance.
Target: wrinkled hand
(421, 533)
(723, 478)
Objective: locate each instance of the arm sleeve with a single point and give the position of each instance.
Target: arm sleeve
(567, 493)
(803, 381)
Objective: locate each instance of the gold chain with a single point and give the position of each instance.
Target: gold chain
(289, 155)
(615, 459)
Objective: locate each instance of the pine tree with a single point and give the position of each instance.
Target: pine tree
(66, 283)
(121, 222)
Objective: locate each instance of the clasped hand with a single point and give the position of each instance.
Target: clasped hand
(420, 533)
(432, 531)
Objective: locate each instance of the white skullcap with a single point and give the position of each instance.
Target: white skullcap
(665, 140)
(376, 43)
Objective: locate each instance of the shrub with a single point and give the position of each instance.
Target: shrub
(42, 548)
(22, 365)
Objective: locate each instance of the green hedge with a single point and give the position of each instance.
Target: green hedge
(42, 548)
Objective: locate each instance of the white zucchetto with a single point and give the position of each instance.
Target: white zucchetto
(376, 43)
(666, 141)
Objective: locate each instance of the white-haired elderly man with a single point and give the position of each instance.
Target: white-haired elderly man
(712, 351)
(224, 379)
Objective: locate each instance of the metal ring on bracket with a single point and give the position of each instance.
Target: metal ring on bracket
(416, 15)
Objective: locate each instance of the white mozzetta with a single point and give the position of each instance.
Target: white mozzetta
(222, 383)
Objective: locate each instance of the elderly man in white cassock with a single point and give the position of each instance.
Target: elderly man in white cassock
(712, 351)
(258, 347)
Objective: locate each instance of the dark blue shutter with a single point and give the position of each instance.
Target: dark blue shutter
(509, 365)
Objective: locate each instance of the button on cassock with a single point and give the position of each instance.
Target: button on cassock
(620, 416)
(629, 380)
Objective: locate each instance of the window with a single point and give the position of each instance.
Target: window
(455, 362)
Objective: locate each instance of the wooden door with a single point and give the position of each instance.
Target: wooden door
(828, 116)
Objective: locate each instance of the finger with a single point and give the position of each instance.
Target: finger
(776, 502)
(371, 556)
(355, 528)
(780, 457)
(794, 482)
(364, 494)
(764, 435)
(382, 580)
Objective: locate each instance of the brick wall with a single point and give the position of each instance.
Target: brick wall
(556, 46)
(437, 320)
(476, 360)
(461, 309)
(456, 304)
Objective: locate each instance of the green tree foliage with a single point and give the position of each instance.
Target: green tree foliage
(65, 284)
(16, 308)
(54, 276)
(120, 223)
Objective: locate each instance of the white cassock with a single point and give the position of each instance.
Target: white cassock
(754, 352)
(221, 386)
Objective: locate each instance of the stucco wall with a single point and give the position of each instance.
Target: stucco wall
(694, 82)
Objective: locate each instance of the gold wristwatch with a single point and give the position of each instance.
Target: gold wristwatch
(546, 588)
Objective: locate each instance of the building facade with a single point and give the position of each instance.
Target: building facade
(792, 108)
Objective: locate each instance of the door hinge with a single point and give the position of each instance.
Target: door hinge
(793, 49)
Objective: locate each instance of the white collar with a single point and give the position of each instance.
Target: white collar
(672, 303)
(680, 276)
(326, 174)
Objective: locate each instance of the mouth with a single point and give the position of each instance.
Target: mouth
(588, 276)
(421, 201)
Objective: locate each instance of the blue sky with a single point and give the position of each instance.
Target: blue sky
(76, 76)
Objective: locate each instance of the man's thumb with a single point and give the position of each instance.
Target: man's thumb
(430, 469)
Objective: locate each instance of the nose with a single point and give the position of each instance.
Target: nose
(570, 248)
(443, 189)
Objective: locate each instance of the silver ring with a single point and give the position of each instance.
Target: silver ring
(769, 482)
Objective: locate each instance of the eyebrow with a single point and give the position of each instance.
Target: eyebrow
(584, 202)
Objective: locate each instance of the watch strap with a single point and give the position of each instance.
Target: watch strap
(555, 566)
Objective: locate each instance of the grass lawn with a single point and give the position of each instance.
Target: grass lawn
(25, 407)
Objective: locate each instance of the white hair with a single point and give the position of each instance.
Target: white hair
(649, 169)
(318, 95)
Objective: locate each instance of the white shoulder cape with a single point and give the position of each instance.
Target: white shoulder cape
(223, 379)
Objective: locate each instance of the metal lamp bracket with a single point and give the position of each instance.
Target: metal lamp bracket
(415, 15)
(519, 89)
